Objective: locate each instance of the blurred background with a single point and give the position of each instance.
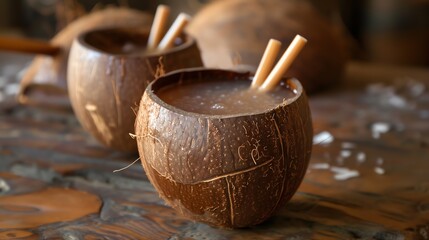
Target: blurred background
(382, 31)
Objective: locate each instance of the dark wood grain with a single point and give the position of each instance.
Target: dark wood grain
(45, 153)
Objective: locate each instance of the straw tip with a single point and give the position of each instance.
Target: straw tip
(163, 6)
(301, 38)
(274, 41)
(184, 16)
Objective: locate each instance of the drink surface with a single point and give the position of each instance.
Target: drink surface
(222, 97)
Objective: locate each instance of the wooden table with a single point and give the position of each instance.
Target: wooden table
(368, 177)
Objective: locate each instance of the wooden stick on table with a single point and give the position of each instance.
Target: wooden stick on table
(24, 45)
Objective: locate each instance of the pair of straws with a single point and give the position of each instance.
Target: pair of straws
(264, 80)
(158, 27)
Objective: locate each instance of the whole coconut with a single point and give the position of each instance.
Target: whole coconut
(234, 33)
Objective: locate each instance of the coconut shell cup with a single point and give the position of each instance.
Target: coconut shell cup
(231, 171)
(44, 83)
(107, 74)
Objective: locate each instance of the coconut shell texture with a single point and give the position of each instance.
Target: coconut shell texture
(44, 83)
(234, 33)
(105, 88)
(228, 171)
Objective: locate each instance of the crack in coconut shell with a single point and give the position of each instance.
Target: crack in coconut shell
(116, 98)
(240, 158)
(99, 122)
(134, 136)
(231, 202)
(283, 158)
(230, 198)
(167, 176)
(234, 173)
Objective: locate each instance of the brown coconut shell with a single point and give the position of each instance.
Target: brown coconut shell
(44, 83)
(105, 84)
(234, 34)
(225, 170)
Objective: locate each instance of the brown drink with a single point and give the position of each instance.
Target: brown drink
(225, 97)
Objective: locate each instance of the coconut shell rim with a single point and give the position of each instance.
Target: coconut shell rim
(189, 42)
(242, 74)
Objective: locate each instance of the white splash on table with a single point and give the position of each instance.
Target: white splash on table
(379, 170)
(361, 157)
(379, 128)
(323, 138)
(342, 174)
(320, 166)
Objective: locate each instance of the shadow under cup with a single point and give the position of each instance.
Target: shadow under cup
(232, 170)
(108, 71)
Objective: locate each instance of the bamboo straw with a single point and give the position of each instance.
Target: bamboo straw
(284, 63)
(158, 26)
(174, 31)
(267, 62)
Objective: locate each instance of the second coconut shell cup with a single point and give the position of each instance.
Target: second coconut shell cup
(205, 166)
(108, 72)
